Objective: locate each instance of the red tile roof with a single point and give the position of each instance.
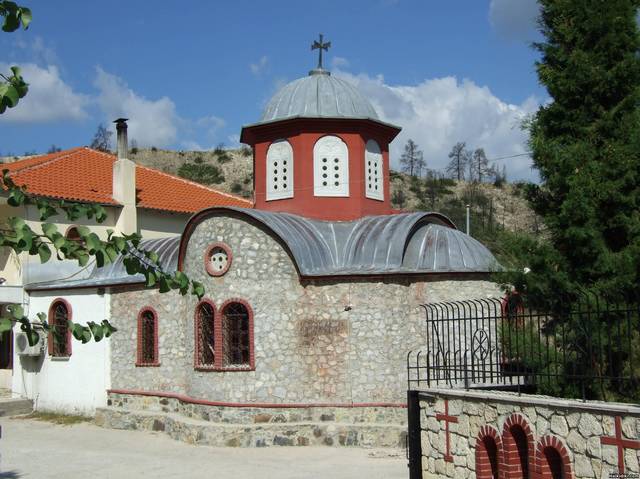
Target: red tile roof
(86, 175)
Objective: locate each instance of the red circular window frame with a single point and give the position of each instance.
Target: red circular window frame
(207, 259)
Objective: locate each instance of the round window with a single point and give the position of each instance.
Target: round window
(217, 259)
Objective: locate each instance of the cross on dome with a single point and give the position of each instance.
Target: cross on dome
(319, 45)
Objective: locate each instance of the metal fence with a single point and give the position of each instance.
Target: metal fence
(585, 347)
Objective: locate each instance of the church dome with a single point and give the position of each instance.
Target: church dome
(318, 95)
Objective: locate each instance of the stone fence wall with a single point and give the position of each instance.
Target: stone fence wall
(467, 434)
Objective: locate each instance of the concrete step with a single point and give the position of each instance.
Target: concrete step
(197, 431)
(15, 406)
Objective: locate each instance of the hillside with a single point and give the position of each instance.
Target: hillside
(504, 206)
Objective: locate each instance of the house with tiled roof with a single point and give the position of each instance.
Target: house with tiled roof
(136, 198)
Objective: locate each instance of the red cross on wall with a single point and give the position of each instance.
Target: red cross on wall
(447, 419)
(620, 443)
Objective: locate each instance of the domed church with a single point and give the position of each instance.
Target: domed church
(312, 297)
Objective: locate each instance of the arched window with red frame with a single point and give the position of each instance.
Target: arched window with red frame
(205, 331)
(147, 353)
(59, 341)
(236, 325)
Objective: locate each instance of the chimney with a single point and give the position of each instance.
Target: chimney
(124, 182)
(123, 143)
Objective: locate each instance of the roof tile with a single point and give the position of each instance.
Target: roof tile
(86, 175)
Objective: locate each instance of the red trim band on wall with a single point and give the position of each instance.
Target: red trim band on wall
(203, 402)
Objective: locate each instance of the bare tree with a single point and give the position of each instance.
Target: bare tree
(460, 156)
(412, 160)
(102, 139)
(54, 149)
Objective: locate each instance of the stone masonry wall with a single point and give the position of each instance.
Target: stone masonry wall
(478, 421)
(336, 341)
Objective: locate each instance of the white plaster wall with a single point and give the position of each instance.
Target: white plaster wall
(160, 224)
(76, 385)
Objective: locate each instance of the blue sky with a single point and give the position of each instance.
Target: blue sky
(190, 74)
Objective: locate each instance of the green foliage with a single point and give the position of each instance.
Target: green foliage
(198, 160)
(201, 173)
(586, 143)
(236, 187)
(13, 87)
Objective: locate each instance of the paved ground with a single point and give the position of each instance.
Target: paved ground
(35, 449)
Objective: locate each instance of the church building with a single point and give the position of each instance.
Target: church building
(312, 297)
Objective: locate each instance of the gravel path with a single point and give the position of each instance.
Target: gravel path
(36, 449)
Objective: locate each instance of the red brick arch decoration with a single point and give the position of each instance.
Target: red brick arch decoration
(518, 448)
(552, 459)
(489, 453)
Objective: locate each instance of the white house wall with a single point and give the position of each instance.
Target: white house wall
(74, 385)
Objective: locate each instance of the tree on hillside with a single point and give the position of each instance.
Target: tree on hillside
(460, 157)
(479, 165)
(102, 139)
(412, 160)
(586, 144)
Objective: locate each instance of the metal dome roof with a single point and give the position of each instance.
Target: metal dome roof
(318, 95)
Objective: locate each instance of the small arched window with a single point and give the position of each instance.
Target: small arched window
(205, 335)
(236, 319)
(74, 235)
(518, 446)
(279, 170)
(60, 335)
(373, 173)
(330, 167)
(147, 338)
(488, 453)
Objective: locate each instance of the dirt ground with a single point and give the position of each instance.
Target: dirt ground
(37, 449)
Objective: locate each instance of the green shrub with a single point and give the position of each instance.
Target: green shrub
(224, 158)
(236, 187)
(198, 160)
(246, 151)
(201, 173)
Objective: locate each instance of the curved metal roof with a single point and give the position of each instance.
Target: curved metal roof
(389, 244)
(113, 274)
(318, 95)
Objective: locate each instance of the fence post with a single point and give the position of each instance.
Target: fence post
(414, 435)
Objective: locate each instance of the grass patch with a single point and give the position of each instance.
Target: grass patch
(57, 418)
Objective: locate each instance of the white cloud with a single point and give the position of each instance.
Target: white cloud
(339, 62)
(439, 112)
(514, 19)
(49, 97)
(258, 67)
(151, 122)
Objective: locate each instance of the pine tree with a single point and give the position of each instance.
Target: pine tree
(412, 160)
(586, 143)
(480, 165)
(459, 158)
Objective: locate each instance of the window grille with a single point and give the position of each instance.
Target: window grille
(59, 320)
(373, 171)
(331, 167)
(148, 338)
(205, 339)
(235, 333)
(279, 170)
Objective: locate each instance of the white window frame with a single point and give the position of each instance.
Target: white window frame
(279, 166)
(373, 163)
(330, 152)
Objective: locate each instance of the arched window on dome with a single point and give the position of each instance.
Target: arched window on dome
(373, 171)
(279, 170)
(330, 167)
